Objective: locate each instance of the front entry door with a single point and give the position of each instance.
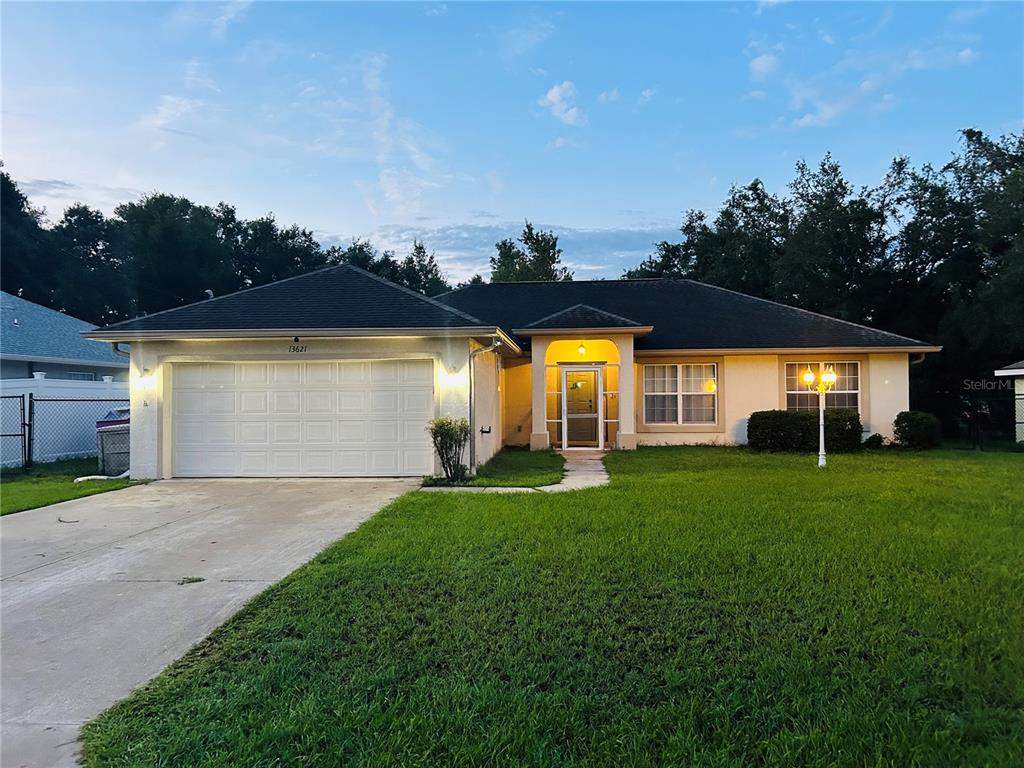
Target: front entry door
(582, 412)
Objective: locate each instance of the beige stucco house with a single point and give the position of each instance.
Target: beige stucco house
(337, 372)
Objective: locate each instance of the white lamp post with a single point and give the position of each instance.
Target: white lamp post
(821, 386)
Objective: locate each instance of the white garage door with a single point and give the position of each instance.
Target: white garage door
(322, 419)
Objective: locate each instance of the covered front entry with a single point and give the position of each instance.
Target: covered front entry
(582, 390)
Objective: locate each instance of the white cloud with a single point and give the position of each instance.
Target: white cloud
(887, 102)
(197, 77)
(646, 95)
(229, 13)
(518, 41)
(966, 56)
(824, 113)
(608, 96)
(756, 95)
(170, 110)
(764, 5)
(559, 100)
(764, 66)
(440, 9)
(856, 80)
(563, 142)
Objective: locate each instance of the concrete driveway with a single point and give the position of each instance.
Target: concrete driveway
(92, 606)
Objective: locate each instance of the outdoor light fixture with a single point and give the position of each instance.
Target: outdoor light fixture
(581, 349)
(822, 387)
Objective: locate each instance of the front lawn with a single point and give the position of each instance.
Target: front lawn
(521, 468)
(710, 607)
(49, 483)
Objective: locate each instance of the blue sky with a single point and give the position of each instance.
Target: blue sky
(452, 122)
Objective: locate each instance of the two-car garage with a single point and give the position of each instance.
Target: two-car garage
(333, 418)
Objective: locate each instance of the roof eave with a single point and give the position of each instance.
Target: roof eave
(787, 350)
(65, 360)
(100, 334)
(1010, 372)
(634, 330)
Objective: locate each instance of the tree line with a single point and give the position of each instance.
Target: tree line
(934, 253)
(164, 251)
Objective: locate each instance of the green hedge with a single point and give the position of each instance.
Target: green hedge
(917, 429)
(798, 431)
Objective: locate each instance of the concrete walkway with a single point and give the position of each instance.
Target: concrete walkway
(101, 593)
(583, 469)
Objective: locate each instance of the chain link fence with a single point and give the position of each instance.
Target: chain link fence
(13, 445)
(38, 430)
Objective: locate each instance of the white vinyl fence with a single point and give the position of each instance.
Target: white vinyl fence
(57, 418)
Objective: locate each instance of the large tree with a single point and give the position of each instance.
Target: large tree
(24, 245)
(171, 252)
(539, 258)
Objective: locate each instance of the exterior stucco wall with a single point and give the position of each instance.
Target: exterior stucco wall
(749, 383)
(487, 394)
(888, 390)
(746, 383)
(516, 408)
(151, 448)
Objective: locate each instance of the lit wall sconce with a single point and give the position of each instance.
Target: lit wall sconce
(582, 349)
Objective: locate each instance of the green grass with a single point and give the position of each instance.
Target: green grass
(710, 607)
(521, 468)
(49, 483)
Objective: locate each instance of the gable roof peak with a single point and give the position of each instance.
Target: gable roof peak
(583, 316)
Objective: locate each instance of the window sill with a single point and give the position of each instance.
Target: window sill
(680, 428)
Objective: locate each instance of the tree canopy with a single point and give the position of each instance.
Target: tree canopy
(931, 253)
(539, 258)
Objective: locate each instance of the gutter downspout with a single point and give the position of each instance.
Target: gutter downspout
(495, 343)
(118, 351)
(919, 358)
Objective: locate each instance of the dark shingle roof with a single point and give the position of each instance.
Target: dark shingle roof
(341, 297)
(582, 316)
(685, 314)
(29, 330)
(1013, 367)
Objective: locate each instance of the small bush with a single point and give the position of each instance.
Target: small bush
(917, 430)
(450, 436)
(874, 442)
(798, 431)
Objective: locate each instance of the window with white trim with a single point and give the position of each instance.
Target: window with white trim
(81, 376)
(845, 393)
(683, 393)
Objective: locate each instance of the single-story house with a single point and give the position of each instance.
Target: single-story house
(337, 372)
(38, 340)
(1016, 372)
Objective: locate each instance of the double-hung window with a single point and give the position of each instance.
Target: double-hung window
(845, 393)
(685, 393)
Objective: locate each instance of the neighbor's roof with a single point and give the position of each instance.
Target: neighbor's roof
(30, 331)
(336, 298)
(684, 314)
(581, 316)
(1013, 369)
